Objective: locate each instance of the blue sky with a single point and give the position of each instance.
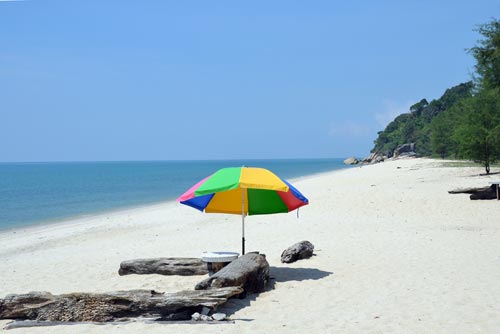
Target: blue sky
(161, 80)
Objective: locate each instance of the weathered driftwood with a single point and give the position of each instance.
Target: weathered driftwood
(112, 306)
(164, 266)
(249, 271)
(491, 193)
(468, 190)
(298, 251)
(478, 193)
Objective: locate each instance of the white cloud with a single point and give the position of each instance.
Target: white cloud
(391, 110)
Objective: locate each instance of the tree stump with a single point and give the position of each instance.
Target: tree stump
(298, 251)
(164, 266)
(112, 306)
(249, 271)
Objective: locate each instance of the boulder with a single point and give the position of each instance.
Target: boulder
(351, 161)
(405, 148)
(374, 157)
(408, 155)
(298, 251)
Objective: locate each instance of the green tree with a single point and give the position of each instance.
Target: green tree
(416, 125)
(455, 94)
(439, 140)
(417, 108)
(487, 54)
(392, 136)
(409, 130)
(442, 140)
(465, 121)
(478, 132)
(423, 141)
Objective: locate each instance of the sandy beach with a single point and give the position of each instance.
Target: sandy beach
(395, 253)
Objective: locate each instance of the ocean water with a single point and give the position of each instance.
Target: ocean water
(37, 193)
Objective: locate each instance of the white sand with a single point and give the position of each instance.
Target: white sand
(395, 253)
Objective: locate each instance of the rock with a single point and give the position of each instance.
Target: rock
(369, 158)
(351, 161)
(201, 317)
(405, 148)
(374, 157)
(408, 155)
(219, 316)
(298, 251)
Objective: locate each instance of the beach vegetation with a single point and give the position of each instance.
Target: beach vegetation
(464, 123)
(487, 55)
(478, 130)
(416, 126)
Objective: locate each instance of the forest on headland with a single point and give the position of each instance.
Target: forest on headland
(464, 123)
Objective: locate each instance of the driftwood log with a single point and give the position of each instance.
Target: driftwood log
(298, 251)
(478, 193)
(249, 271)
(164, 266)
(112, 306)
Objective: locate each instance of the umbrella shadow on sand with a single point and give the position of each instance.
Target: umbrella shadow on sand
(286, 274)
(277, 274)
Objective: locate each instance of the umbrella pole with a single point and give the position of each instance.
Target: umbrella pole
(243, 236)
(243, 221)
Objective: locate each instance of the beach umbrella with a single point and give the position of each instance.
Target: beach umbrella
(243, 191)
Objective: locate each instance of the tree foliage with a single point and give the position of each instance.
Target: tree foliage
(478, 130)
(487, 54)
(415, 126)
(465, 121)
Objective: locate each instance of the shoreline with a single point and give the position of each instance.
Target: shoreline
(50, 224)
(78, 219)
(394, 252)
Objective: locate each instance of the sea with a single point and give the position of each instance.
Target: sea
(47, 192)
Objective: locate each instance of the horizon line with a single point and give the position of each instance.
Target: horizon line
(163, 160)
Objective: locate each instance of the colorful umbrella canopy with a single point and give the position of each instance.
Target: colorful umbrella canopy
(245, 191)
